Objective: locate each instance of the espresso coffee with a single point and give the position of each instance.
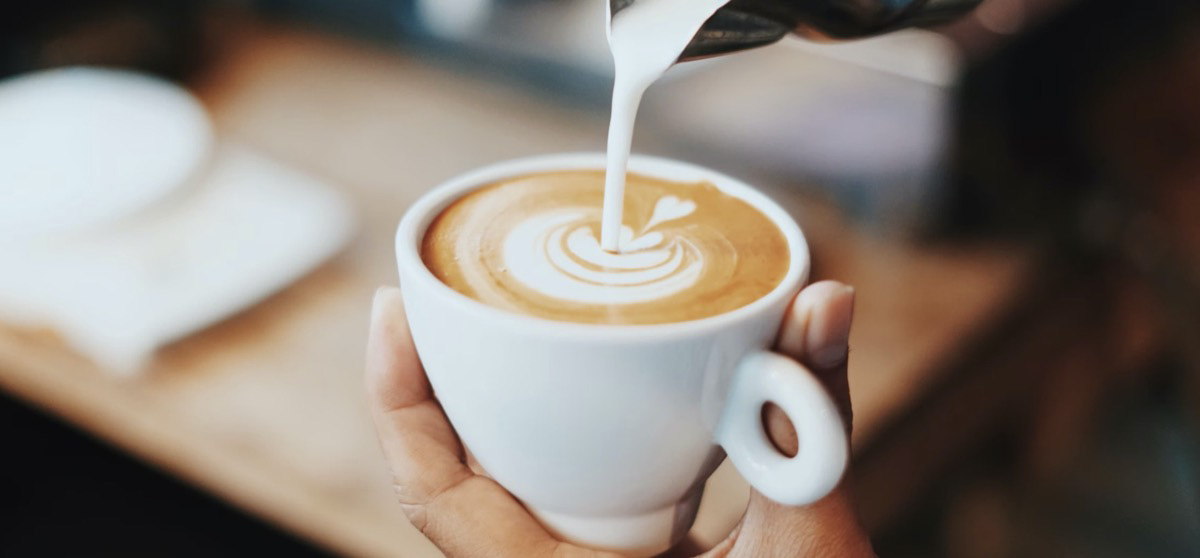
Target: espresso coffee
(531, 245)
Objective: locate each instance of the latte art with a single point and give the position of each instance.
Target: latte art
(532, 245)
(557, 254)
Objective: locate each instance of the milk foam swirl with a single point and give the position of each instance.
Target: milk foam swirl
(557, 254)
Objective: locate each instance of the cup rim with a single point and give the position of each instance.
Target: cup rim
(416, 220)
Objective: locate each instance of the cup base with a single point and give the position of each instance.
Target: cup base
(639, 536)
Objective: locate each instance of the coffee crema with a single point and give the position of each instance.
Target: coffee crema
(531, 245)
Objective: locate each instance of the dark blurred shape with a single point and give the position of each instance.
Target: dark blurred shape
(1029, 121)
(1086, 130)
(65, 494)
(164, 38)
(1083, 132)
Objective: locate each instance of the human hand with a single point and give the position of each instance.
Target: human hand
(469, 515)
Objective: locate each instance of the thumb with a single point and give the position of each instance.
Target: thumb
(816, 334)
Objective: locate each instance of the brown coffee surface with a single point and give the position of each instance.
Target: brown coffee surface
(530, 245)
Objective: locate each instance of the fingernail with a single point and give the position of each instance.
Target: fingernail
(829, 330)
(382, 329)
(385, 298)
(377, 306)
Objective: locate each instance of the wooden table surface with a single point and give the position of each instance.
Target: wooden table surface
(266, 409)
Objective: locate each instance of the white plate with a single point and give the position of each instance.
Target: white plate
(85, 146)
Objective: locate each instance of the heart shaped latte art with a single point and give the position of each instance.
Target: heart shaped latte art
(668, 208)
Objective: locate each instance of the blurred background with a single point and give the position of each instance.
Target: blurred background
(1014, 195)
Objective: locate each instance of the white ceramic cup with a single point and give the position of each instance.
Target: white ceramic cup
(607, 433)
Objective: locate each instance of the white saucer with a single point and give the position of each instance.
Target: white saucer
(85, 146)
(248, 228)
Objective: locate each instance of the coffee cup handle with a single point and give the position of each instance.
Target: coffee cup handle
(817, 467)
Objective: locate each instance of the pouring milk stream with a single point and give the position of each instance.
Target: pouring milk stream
(646, 38)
